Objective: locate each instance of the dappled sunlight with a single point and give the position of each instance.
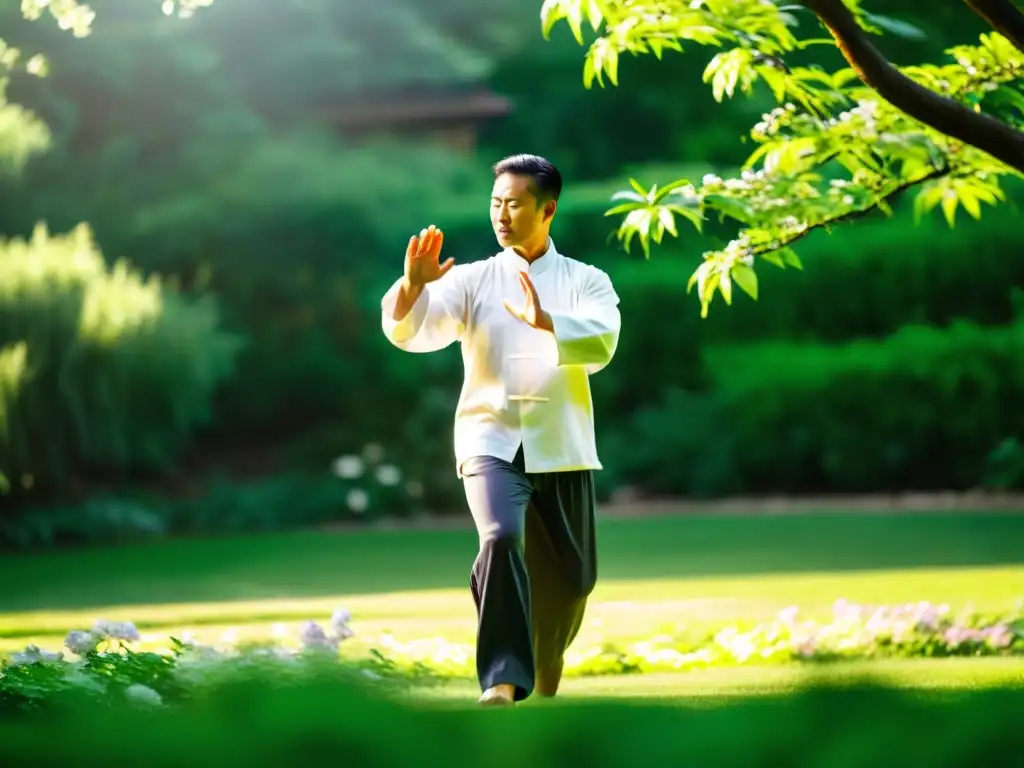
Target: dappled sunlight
(853, 633)
(620, 612)
(13, 369)
(118, 306)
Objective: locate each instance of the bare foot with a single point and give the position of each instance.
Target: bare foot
(499, 696)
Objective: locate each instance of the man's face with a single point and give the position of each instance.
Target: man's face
(516, 215)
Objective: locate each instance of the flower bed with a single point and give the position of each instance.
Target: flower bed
(105, 662)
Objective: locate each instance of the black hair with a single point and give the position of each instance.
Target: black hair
(547, 181)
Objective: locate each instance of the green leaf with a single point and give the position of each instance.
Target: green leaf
(667, 221)
(574, 17)
(693, 215)
(611, 65)
(668, 189)
(926, 200)
(624, 208)
(589, 72)
(550, 14)
(746, 279)
(899, 28)
(949, 201)
(731, 207)
(626, 194)
(789, 257)
(725, 286)
(698, 276)
(969, 202)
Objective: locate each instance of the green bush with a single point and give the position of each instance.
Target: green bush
(371, 490)
(103, 373)
(921, 409)
(356, 487)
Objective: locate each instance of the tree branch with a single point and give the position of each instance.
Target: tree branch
(1003, 17)
(943, 114)
(858, 213)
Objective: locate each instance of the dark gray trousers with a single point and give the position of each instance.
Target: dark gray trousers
(536, 567)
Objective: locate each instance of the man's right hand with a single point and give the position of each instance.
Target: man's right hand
(422, 266)
(422, 259)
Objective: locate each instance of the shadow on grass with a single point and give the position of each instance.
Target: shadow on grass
(316, 564)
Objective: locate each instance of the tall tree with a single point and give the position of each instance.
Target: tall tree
(841, 143)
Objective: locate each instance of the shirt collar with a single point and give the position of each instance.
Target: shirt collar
(539, 265)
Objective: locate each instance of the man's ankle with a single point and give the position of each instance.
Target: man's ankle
(549, 677)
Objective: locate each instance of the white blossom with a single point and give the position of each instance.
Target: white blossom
(33, 655)
(80, 642)
(340, 624)
(314, 637)
(388, 475)
(348, 467)
(116, 630)
(357, 500)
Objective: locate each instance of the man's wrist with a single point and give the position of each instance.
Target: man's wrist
(410, 288)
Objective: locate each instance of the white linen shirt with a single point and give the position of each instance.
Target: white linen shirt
(522, 386)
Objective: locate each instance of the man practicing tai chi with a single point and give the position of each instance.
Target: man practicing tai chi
(534, 325)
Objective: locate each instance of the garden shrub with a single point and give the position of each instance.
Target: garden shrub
(924, 409)
(919, 410)
(103, 373)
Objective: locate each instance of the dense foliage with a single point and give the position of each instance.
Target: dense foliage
(103, 372)
(236, 185)
(838, 145)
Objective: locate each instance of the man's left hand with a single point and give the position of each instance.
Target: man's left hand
(531, 314)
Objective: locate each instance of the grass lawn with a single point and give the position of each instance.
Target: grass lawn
(668, 573)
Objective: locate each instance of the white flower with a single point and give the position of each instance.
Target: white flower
(80, 642)
(373, 453)
(32, 655)
(358, 500)
(341, 616)
(116, 630)
(348, 467)
(788, 615)
(388, 475)
(339, 624)
(229, 636)
(143, 694)
(314, 637)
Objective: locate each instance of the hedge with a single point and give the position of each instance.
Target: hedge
(922, 409)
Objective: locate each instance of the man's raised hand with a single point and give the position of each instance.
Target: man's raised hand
(422, 258)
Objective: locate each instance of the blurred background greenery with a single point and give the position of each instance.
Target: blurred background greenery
(192, 344)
